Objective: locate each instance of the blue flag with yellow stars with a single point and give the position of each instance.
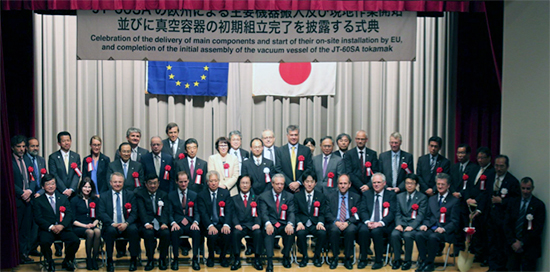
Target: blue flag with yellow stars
(187, 78)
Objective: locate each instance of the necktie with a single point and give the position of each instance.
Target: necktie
(214, 210)
(325, 163)
(155, 221)
(36, 173)
(440, 200)
(192, 168)
(497, 184)
(461, 168)
(395, 168)
(118, 209)
(245, 201)
(125, 166)
(257, 162)
(376, 209)
(309, 203)
(409, 200)
(293, 162)
(52, 203)
(432, 163)
(174, 149)
(66, 161)
(271, 155)
(277, 202)
(23, 173)
(184, 201)
(343, 209)
(521, 218)
(362, 158)
(134, 154)
(157, 164)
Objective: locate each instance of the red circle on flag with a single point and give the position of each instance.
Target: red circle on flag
(295, 73)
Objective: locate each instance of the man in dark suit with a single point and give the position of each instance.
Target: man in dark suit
(173, 145)
(523, 226)
(127, 167)
(235, 141)
(428, 166)
(342, 219)
(293, 159)
(216, 210)
(268, 138)
(377, 211)
(355, 160)
(192, 164)
(53, 215)
(343, 140)
(61, 164)
(39, 166)
(463, 167)
(154, 216)
(395, 164)
(258, 168)
(118, 212)
(278, 217)
(133, 136)
(160, 164)
(311, 209)
(327, 163)
(184, 219)
(246, 222)
(439, 225)
(411, 209)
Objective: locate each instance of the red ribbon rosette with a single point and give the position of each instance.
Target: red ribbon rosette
(62, 210)
(31, 171)
(316, 206)
(442, 212)
(301, 160)
(128, 208)
(90, 164)
(253, 205)
(222, 207)
(482, 180)
(226, 169)
(439, 170)
(354, 213)
(284, 207)
(43, 172)
(465, 179)
(92, 210)
(386, 206)
(75, 167)
(470, 230)
(181, 156)
(330, 182)
(137, 183)
(167, 169)
(369, 170)
(190, 206)
(415, 210)
(405, 167)
(199, 176)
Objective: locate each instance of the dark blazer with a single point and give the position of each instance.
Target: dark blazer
(129, 183)
(457, 183)
(81, 211)
(204, 200)
(474, 190)
(354, 168)
(257, 175)
(167, 150)
(63, 179)
(146, 213)
(283, 164)
(183, 165)
(245, 155)
(268, 208)
(141, 151)
(166, 185)
(41, 162)
(531, 239)
(338, 153)
(333, 213)
(511, 184)
(302, 213)
(386, 168)
(243, 216)
(403, 215)
(106, 207)
(18, 180)
(265, 153)
(177, 213)
(335, 165)
(451, 216)
(102, 167)
(423, 169)
(367, 206)
(44, 216)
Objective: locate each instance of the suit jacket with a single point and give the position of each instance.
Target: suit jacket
(335, 165)
(243, 215)
(265, 154)
(268, 207)
(457, 183)
(215, 162)
(102, 168)
(333, 213)
(367, 207)
(177, 211)
(423, 169)
(129, 183)
(18, 180)
(386, 168)
(183, 165)
(354, 168)
(480, 194)
(338, 153)
(63, 179)
(146, 212)
(140, 152)
(245, 155)
(531, 239)
(403, 215)
(167, 150)
(301, 205)
(204, 200)
(257, 174)
(106, 207)
(81, 211)
(41, 163)
(432, 218)
(44, 216)
(283, 163)
(510, 185)
(166, 185)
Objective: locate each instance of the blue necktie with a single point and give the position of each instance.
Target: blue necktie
(36, 173)
(125, 166)
(440, 200)
(118, 209)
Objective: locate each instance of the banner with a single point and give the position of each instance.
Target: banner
(247, 36)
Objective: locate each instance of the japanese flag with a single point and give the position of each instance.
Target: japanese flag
(294, 79)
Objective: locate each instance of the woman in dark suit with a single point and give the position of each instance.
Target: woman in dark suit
(95, 166)
(85, 208)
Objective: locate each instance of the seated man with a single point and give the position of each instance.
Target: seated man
(184, 219)
(311, 208)
(215, 210)
(411, 209)
(154, 217)
(53, 215)
(277, 213)
(377, 211)
(246, 222)
(118, 212)
(439, 225)
(342, 217)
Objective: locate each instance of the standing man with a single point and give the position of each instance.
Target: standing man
(343, 140)
(327, 163)
(173, 145)
(395, 164)
(293, 159)
(196, 167)
(258, 168)
(463, 167)
(61, 165)
(277, 213)
(160, 164)
(235, 142)
(429, 165)
(129, 168)
(268, 138)
(39, 166)
(355, 162)
(133, 136)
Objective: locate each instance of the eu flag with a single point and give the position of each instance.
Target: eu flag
(187, 78)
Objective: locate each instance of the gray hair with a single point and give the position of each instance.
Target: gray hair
(278, 175)
(212, 172)
(235, 132)
(444, 176)
(292, 128)
(133, 130)
(118, 174)
(380, 175)
(396, 135)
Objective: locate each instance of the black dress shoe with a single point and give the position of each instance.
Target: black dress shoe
(348, 264)
(175, 264)
(420, 267)
(150, 265)
(133, 265)
(68, 265)
(377, 265)
(286, 262)
(210, 262)
(24, 259)
(89, 265)
(35, 253)
(195, 264)
(334, 263)
(429, 267)
(317, 262)
(94, 264)
(248, 251)
(269, 267)
(120, 254)
(236, 265)
(110, 266)
(396, 265)
(406, 265)
(162, 264)
(224, 262)
(258, 264)
(51, 266)
(362, 264)
(303, 263)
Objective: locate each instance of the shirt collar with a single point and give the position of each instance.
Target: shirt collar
(128, 162)
(247, 195)
(444, 195)
(63, 153)
(312, 193)
(182, 192)
(359, 150)
(396, 153)
(340, 195)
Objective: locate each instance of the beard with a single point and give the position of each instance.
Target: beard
(34, 153)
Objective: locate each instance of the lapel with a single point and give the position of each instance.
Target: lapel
(351, 202)
(110, 204)
(403, 201)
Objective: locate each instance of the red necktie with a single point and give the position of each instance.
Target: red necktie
(277, 202)
(183, 201)
(245, 201)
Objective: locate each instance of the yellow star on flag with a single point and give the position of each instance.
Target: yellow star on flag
(206, 68)
(203, 77)
(171, 76)
(178, 83)
(187, 85)
(169, 67)
(196, 84)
